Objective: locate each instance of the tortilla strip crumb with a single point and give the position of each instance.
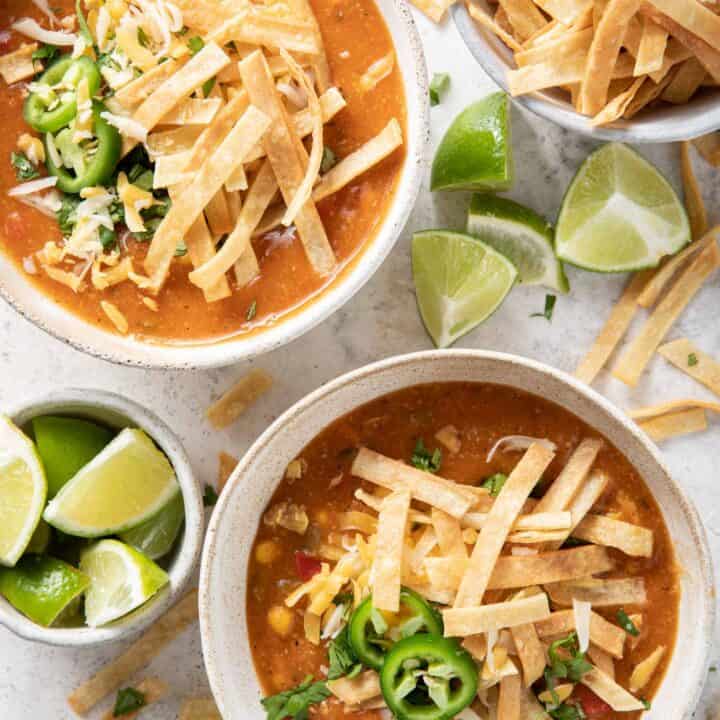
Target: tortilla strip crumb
(226, 465)
(199, 709)
(115, 316)
(153, 690)
(235, 401)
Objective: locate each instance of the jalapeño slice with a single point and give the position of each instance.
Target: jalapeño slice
(89, 163)
(371, 635)
(427, 677)
(54, 104)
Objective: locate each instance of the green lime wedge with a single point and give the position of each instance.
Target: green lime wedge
(42, 588)
(23, 490)
(619, 214)
(521, 235)
(40, 540)
(476, 152)
(129, 482)
(121, 579)
(156, 536)
(65, 445)
(459, 281)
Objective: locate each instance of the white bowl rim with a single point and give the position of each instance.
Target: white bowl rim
(636, 130)
(313, 311)
(224, 507)
(187, 553)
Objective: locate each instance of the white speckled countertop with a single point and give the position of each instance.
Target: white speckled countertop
(380, 321)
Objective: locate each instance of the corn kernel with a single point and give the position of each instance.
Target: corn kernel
(32, 147)
(267, 552)
(281, 620)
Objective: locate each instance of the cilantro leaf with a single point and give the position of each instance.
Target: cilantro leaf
(439, 85)
(294, 703)
(210, 497)
(626, 623)
(66, 214)
(566, 711)
(692, 360)
(196, 44)
(128, 700)
(550, 301)
(570, 664)
(329, 160)
(423, 459)
(251, 311)
(341, 655)
(24, 169)
(46, 53)
(495, 483)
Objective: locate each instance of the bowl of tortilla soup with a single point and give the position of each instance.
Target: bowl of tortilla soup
(189, 183)
(458, 534)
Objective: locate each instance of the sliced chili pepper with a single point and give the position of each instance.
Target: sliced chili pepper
(93, 162)
(428, 677)
(306, 566)
(592, 705)
(54, 110)
(370, 636)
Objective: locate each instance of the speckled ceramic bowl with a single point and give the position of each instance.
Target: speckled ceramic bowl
(235, 519)
(117, 412)
(65, 326)
(667, 123)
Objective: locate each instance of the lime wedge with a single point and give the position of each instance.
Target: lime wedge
(42, 587)
(156, 536)
(459, 280)
(65, 445)
(476, 152)
(23, 490)
(121, 579)
(129, 482)
(619, 214)
(521, 235)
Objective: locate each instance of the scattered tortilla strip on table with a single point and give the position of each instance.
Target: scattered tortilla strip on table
(601, 592)
(233, 403)
(603, 633)
(635, 359)
(461, 622)
(675, 424)
(684, 355)
(697, 214)
(653, 411)
(709, 147)
(18, 65)
(226, 466)
(608, 690)
(111, 677)
(153, 690)
(199, 709)
(631, 539)
(501, 518)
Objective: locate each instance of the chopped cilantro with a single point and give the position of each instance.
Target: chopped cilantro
(342, 657)
(208, 86)
(108, 238)
(24, 169)
(181, 249)
(439, 85)
(128, 700)
(646, 703)
(184, 30)
(550, 301)
(626, 623)
(329, 160)
(66, 214)
(210, 497)
(251, 311)
(692, 359)
(195, 44)
(567, 711)
(495, 483)
(570, 664)
(46, 53)
(142, 37)
(296, 702)
(141, 176)
(423, 459)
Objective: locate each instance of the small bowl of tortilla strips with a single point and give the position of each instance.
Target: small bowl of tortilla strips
(630, 70)
(189, 183)
(455, 534)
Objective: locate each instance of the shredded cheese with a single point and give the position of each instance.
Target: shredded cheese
(30, 28)
(582, 614)
(34, 186)
(134, 200)
(115, 316)
(127, 126)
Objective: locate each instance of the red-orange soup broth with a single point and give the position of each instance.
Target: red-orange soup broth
(354, 35)
(392, 426)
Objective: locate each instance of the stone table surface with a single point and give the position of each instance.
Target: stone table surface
(380, 321)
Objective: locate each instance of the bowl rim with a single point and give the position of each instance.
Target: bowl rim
(539, 103)
(89, 402)
(312, 311)
(224, 507)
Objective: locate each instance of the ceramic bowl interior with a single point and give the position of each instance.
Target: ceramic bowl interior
(225, 556)
(51, 317)
(667, 123)
(118, 413)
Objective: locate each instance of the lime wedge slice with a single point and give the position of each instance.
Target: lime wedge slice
(42, 587)
(619, 214)
(521, 235)
(65, 445)
(129, 482)
(121, 579)
(156, 536)
(476, 152)
(23, 490)
(459, 280)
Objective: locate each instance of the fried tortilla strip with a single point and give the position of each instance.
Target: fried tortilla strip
(501, 518)
(510, 698)
(170, 170)
(566, 11)
(614, 330)
(618, 106)
(201, 249)
(208, 181)
(434, 9)
(697, 214)
(281, 147)
(226, 466)
(675, 424)
(423, 486)
(694, 17)
(687, 81)
(360, 161)
(709, 147)
(18, 65)
(449, 534)
(142, 87)
(604, 634)
(115, 316)
(530, 652)
(193, 111)
(633, 540)
(645, 669)
(652, 47)
(217, 211)
(538, 522)
(602, 660)
(199, 709)
(683, 354)
(153, 690)
(391, 527)
(599, 592)
(641, 349)
(137, 656)
(464, 621)
(353, 691)
(649, 91)
(653, 411)
(233, 403)
(171, 142)
(482, 18)
(566, 45)
(608, 690)
(524, 17)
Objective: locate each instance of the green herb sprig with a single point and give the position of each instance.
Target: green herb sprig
(425, 460)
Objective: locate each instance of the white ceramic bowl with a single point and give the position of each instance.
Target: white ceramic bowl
(235, 519)
(668, 123)
(117, 412)
(67, 327)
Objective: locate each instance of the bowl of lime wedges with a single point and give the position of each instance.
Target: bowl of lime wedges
(103, 522)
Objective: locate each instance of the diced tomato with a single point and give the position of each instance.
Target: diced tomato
(591, 704)
(306, 565)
